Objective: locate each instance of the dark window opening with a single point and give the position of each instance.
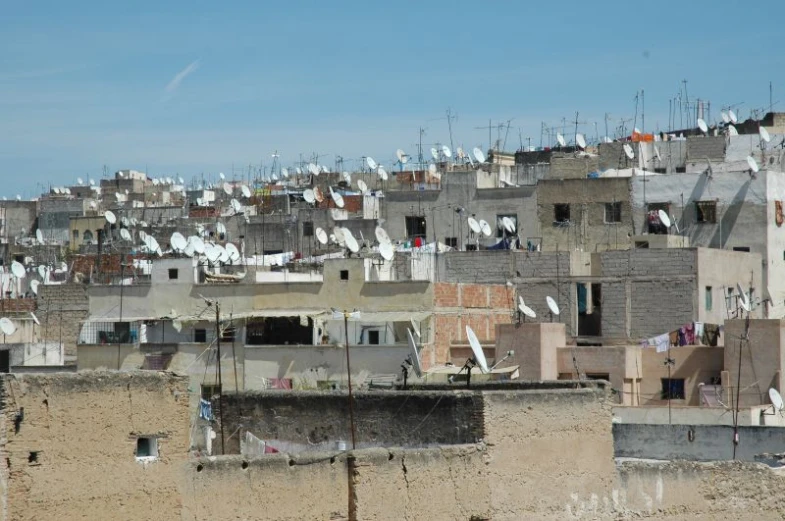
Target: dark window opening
(596, 295)
(742, 248)
(655, 225)
(146, 447)
(709, 299)
(598, 376)
(452, 242)
(673, 389)
(373, 337)
(210, 391)
(706, 211)
(279, 331)
(228, 334)
(415, 226)
(660, 170)
(681, 169)
(612, 212)
(200, 336)
(561, 213)
(122, 332)
(471, 247)
(308, 229)
(173, 273)
(32, 457)
(344, 274)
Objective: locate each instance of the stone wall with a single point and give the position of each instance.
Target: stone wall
(61, 311)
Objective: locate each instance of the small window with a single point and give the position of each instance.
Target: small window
(501, 231)
(209, 391)
(344, 274)
(146, 447)
(612, 212)
(730, 304)
(742, 248)
(673, 388)
(76, 235)
(87, 236)
(415, 226)
(598, 376)
(228, 334)
(709, 300)
(308, 229)
(561, 213)
(373, 337)
(200, 336)
(173, 273)
(32, 457)
(452, 242)
(706, 211)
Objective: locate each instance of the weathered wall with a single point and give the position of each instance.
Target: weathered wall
(695, 365)
(61, 311)
(762, 361)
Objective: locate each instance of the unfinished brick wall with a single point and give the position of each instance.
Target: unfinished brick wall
(61, 311)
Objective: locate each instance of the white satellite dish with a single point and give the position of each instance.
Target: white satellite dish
(222, 176)
(526, 310)
(337, 198)
(434, 153)
(744, 300)
(317, 194)
(321, 235)
(351, 242)
(177, 241)
(414, 356)
(508, 224)
(387, 251)
(485, 227)
(313, 169)
(432, 168)
(309, 196)
(234, 253)
(725, 117)
(347, 178)
(143, 236)
(180, 180)
(664, 219)
(628, 151)
(657, 153)
(245, 190)
(446, 151)
(753, 164)
(703, 126)
(298, 170)
(285, 172)
(220, 228)
(362, 186)
(41, 271)
(776, 399)
(732, 117)
(7, 326)
(198, 244)
(732, 131)
(125, 234)
(371, 163)
(227, 188)
(92, 182)
(474, 226)
(382, 236)
(79, 181)
(479, 356)
(39, 236)
(156, 181)
(382, 173)
(478, 155)
(110, 217)
(764, 134)
(606, 139)
(18, 270)
(560, 140)
(35, 318)
(34, 286)
(338, 233)
(56, 189)
(580, 140)
(223, 255)
(402, 157)
(552, 305)
(93, 205)
(67, 190)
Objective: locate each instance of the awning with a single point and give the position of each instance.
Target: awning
(385, 316)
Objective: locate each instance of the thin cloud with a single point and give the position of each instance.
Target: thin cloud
(173, 85)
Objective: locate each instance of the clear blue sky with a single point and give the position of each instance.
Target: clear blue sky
(87, 84)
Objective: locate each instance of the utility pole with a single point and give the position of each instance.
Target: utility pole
(349, 378)
(218, 368)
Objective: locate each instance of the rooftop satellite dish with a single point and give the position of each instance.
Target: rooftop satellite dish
(628, 151)
(56, 189)
(223, 256)
(39, 236)
(156, 181)
(371, 163)
(485, 227)
(92, 182)
(34, 286)
(142, 236)
(580, 140)
(732, 117)
(479, 356)
(664, 219)
(414, 356)
(285, 172)
(79, 181)
(177, 241)
(753, 164)
(325, 169)
(446, 151)
(321, 235)
(387, 251)
(460, 153)
(347, 178)
(35, 318)
(152, 243)
(309, 196)
(180, 180)
(67, 190)
(212, 253)
(110, 217)
(703, 126)
(18, 270)
(526, 310)
(313, 169)
(552, 305)
(606, 139)
(227, 188)
(177, 325)
(508, 224)
(382, 236)
(245, 190)
(7, 326)
(220, 228)
(382, 173)
(725, 117)
(234, 253)
(478, 155)
(732, 131)
(434, 153)
(125, 234)
(764, 134)
(744, 300)
(362, 186)
(317, 194)
(222, 176)
(198, 244)
(337, 198)
(432, 168)
(351, 242)
(402, 157)
(776, 399)
(474, 226)
(339, 237)
(560, 140)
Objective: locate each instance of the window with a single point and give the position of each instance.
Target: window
(146, 447)
(208, 391)
(87, 237)
(76, 235)
(612, 212)
(451, 241)
(415, 226)
(709, 302)
(307, 228)
(373, 337)
(706, 211)
(741, 248)
(200, 336)
(173, 273)
(500, 229)
(344, 274)
(598, 376)
(32, 457)
(561, 213)
(673, 389)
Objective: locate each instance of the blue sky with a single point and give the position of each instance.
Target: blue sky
(88, 84)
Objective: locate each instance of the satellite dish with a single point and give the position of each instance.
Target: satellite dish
(744, 300)
(337, 198)
(177, 325)
(387, 251)
(313, 169)
(732, 117)
(222, 176)
(34, 286)
(732, 131)
(125, 234)
(56, 189)
(552, 305)
(485, 227)
(446, 151)
(508, 224)
(321, 235)
(347, 178)
(753, 164)
(35, 318)
(382, 236)
(224, 255)
(317, 194)
(18, 270)
(764, 134)
(362, 186)
(198, 244)
(245, 190)
(143, 236)
(309, 196)
(432, 168)
(702, 126)
(382, 173)
(220, 228)
(39, 236)
(664, 219)
(351, 242)
(227, 188)
(92, 182)
(478, 155)
(371, 163)
(93, 205)
(7, 326)
(434, 153)
(285, 172)
(479, 356)
(402, 157)
(725, 117)
(157, 181)
(414, 356)
(657, 153)
(580, 140)
(560, 140)
(234, 253)
(177, 241)
(67, 190)
(628, 151)
(110, 217)
(79, 181)
(339, 237)
(526, 310)
(180, 180)
(474, 226)
(776, 399)
(606, 139)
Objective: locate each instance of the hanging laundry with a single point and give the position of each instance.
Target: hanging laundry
(662, 342)
(711, 334)
(689, 333)
(698, 332)
(205, 410)
(682, 336)
(674, 338)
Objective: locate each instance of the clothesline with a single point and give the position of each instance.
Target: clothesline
(690, 334)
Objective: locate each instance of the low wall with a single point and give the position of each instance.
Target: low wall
(696, 442)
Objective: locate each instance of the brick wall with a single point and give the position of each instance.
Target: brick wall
(61, 311)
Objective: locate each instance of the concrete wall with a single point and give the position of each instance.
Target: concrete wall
(61, 309)
(762, 361)
(695, 365)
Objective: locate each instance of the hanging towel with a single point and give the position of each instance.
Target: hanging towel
(205, 410)
(689, 333)
(674, 338)
(682, 332)
(711, 333)
(698, 332)
(662, 342)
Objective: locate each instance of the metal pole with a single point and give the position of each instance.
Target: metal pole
(349, 378)
(218, 364)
